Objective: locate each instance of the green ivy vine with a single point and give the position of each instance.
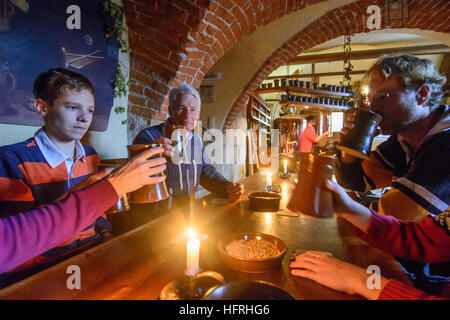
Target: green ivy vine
(118, 30)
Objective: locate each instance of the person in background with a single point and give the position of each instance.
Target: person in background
(406, 91)
(185, 176)
(309, 137)
(40, 169)
(426, 241)
(26, 235)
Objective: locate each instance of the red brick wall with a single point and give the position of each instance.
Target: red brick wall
(179, 41)
(157, 35)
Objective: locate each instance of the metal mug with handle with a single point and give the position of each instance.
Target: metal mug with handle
(152, 192)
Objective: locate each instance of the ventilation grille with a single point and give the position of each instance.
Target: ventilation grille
(213, 76)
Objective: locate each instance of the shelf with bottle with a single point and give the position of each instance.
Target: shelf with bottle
(306, 87)
(259, 103)
(324, 103)
(261, 120)
(259, 111)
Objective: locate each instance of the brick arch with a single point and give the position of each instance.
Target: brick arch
(349, 19)
(180, 40)
(224, 24)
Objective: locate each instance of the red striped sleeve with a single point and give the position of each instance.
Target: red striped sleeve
(395, 290)
(421, 241)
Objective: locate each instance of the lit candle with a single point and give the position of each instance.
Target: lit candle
(269, 179)
(284, 190)
(285, 166)
(193, 249)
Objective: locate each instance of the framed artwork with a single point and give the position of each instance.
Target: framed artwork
(38, 35)
(396, 10)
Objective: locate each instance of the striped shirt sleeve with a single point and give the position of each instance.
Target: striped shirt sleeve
(423, 241)
(395, 290)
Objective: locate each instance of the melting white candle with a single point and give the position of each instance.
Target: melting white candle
(285, 166)
(192, 255)
(269, 180)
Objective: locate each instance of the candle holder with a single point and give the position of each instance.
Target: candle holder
(285, 175)
(273, 188)
(191, 287)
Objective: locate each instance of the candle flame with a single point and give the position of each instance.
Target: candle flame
(365, 90)
(190, 233)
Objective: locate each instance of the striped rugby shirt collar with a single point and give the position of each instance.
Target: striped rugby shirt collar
(442, 125)
(426, 198)
(52, 154)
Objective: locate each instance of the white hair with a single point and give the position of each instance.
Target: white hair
(183, 88)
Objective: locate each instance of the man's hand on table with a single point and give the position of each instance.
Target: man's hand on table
(335, 274)
(235, 191)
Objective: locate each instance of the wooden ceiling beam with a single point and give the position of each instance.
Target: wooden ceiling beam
(372, 54)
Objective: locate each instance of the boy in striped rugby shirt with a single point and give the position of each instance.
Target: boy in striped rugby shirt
(40, 169)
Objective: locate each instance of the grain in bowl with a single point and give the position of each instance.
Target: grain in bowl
(252, 249)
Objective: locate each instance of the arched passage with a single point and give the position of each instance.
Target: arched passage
(178, 41)
(349, 19)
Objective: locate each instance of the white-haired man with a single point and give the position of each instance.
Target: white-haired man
(184, 176)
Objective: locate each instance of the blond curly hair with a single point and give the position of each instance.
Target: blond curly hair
(413, 73)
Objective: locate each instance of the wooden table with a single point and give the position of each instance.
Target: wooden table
(139, 263)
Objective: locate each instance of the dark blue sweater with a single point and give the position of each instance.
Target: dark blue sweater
(197, 171)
